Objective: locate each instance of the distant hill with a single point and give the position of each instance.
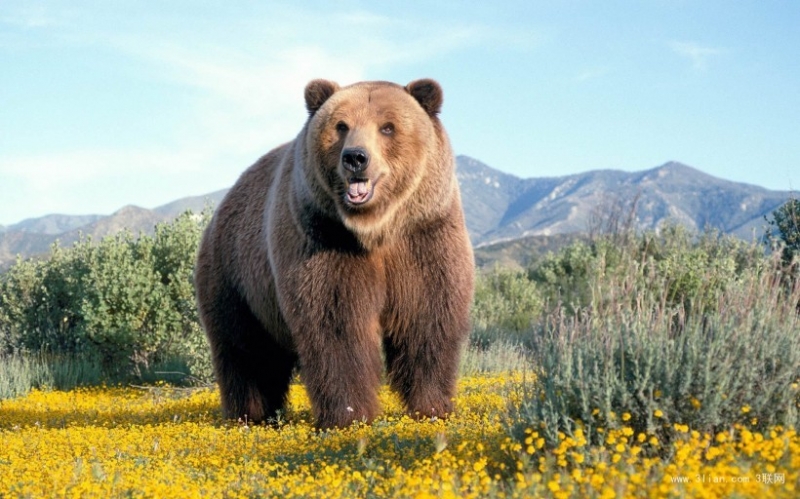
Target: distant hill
(499, 208)
(520, 253)
(194, 203)
(53, 224)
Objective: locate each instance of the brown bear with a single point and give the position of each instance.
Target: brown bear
(344, 243)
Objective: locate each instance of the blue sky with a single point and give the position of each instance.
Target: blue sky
(104, 104)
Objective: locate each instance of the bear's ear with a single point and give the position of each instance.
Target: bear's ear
(428, 93)
(317, 92)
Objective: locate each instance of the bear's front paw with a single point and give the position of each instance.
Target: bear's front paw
(440, 409)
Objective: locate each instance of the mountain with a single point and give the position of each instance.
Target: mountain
(194, 203)
(511, 207)
(129, 217)
(52, 224)
(499, 208)
(32, 237)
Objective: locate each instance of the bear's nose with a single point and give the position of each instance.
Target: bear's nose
(355, 159)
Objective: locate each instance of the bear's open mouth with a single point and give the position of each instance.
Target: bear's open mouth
(359, 191)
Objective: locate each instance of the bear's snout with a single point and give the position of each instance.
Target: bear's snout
(359, 187)
(355, 159)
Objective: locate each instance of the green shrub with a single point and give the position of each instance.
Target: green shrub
(784, 226)
(505, 306)
(565, 277)
(39, 303)
(20, 372)
(674, 265)
(705, 335)
(498, 356)
(126, 301)
(697, 270)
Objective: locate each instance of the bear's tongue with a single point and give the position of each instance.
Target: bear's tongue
(358, 191)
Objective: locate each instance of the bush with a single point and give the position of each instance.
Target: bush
(126, 301)
(785, 226)
(674, 328)
(673, 265)
(498, 356)
(565, 277)
(505, 306)
(21, 372)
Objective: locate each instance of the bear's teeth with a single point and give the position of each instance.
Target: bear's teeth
(359, 188)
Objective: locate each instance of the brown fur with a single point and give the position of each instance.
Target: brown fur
(292, 270)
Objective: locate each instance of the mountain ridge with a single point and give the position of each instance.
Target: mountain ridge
(557, 205)
(498, 206)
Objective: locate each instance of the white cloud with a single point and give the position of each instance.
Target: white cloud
(591, 74)
(246, 85)
(28, 17)
(696, 53)
(43, 172)
(97, 181)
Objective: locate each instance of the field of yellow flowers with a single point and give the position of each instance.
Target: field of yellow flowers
(165, 442)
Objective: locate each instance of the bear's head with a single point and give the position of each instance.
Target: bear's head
(377, 151)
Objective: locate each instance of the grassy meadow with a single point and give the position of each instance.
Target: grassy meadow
(653, 365)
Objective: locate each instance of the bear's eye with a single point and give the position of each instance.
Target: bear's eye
(387, 129)
(342, 127)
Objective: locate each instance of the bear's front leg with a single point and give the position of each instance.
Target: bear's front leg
(429, 293)
(341, 368)
(423, 369)
(333, 312)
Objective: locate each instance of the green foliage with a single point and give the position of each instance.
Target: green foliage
(785, 225)
(21, 372)
(18, 374)
(634, 362)
(699, 328)
(498, 356)
(565, 277)
(506, 303)
(674, 265)
(126, 301)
